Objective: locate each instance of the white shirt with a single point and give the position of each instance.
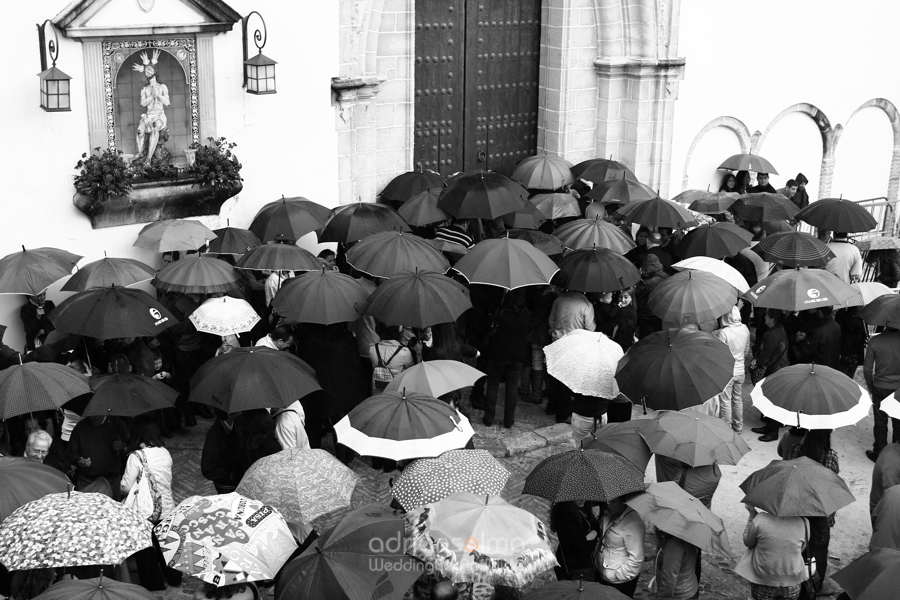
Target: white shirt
(847, 261)
(267, 342)
(273, 283)
(70, 420)
(289, 427)
(159, 462)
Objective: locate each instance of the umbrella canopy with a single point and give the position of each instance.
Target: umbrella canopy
(248, 378)
(546, 243)
(401, 426)
(688, 196)
(429, 480)
(23, 481)
(448, 246)
(621, 191)
(585, 361)
(796, 488)
(867, 292)
(800, 289)
(326, 297)
(748, 162)
(714, 241)
(197, 275)
(435, 378)
(882, 311)
(837, 214)
(599, 170)
(574, 590)
(720, 269)
(288, 218)
(482, 539)
(407, 185)
(584, 475)
(794, 249)
(98, 531)
(96, 588)
(675, 369)
(598, 270)
(107, 272)
(113, 312)
(225, 539)
(33, 271)
(764, 206)
(300, 484)
(390, 253)
(873, 576)
(128, 395)
(527, 217)
(878, 243)
(593, 233)
(422, 209)
(174, 235)
(692, 296)
(623, 439)
(712, 203)
(657, 212)
(506, 263)
(694, 439)
(224, 316)
(673, 510)
(356, 221)
(772, 227)
(279, 257)
(419, 299)
(38, 386)
(543, 172)
(232, 240)
(360, 558)
(481, 195)
(812, 396)
(557, 205)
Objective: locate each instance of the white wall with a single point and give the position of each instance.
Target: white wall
(286, 141)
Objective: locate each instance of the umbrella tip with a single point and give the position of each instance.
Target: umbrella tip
(23, 247)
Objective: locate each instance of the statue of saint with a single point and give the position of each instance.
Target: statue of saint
(152, 126)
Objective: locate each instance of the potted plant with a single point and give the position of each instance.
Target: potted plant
(216, 166)
(102, 175)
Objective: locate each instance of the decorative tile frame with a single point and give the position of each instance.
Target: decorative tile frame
(115, 52)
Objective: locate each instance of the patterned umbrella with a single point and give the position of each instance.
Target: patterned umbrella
(481, 195)
(623, 439)
(599, 170)
(97, 588)
(113, 312)
(325, 297)
(794, 249)
(418, 299)
(557, 205)
(585, 362)
(657, 212)
(764, 206)
(422, 209)
(546, 243)
(197, 275)
(878, 243)
(107, 272)
(719, 268)
(506, 263)
(882, 311)
(33, 271)
(621, 191)
(801, 289)
(406, 186)
(356, 221)
(174, 235)
(527, 217)
(233, 240)
(593, 233)
(584, 475)
(300, 484)
(693, 438)
(867, 291)
(711, 203)
(692, 297)
(390, 253)
(482, 539)
(23, 481)
(224, 316)
(796, 488)
(98, 531)
(38, 386)
(598, 270)
(429, 480)
(543, 172)
(225, 539)
(837, 214)
(873, 576)
(289, 218)
(715, 241)
(128, 395)
(748, 162)
(279, 257)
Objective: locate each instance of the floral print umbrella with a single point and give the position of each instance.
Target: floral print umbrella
(301, 484)
(225, 539)
(71, 530)
(429, 480)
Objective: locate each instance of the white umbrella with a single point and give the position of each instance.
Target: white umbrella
(868, 291)
(716, 267)
(586, 362)
(891, 406)
(224, 316)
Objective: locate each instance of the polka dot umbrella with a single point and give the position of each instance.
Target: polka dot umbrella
(430, 480)
(584, 475)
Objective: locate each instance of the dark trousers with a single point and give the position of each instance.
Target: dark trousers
(560, 398)
(881, 420)
(618, 412)
(628, 588)
(495, 370)
(152, 570)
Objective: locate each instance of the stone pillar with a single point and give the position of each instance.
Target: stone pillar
(355, 122)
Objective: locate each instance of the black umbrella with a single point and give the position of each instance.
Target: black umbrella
(113, 312)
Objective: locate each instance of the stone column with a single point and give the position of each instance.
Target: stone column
(355, 122)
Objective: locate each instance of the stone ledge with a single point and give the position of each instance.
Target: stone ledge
(555, 434)
(524, 442)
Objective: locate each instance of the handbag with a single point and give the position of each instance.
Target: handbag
(143, 497)
(381, 374)
(808, 588)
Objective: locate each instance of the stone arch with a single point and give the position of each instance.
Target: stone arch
(893, 115)
(735, 125)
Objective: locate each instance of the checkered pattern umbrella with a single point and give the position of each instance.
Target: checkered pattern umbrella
(429, 480)
(584, 475)
(38, 386)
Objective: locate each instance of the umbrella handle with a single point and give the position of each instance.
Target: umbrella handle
(644, 403)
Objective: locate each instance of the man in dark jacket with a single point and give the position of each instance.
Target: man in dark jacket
(825, 338)
(801, 197)
(652, 274)
(217, 461)
(762, 184)
(34, 314)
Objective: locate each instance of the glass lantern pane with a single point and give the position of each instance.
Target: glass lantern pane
(270, 70)
(52, 86)
(52, 101)
(43, 86)
(43, 98)
(64, 86)
(64, 101)
(251, 85)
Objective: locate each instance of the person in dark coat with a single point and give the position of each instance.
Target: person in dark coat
(254, 439)
(801, 196)
(652, 274)
(762, 184)
(217, 462)
(825, 336)
(887, 266)
(577, 529)
(34, 314)
(772, 355)
(854, 336)
(506, 353)
(636, 254)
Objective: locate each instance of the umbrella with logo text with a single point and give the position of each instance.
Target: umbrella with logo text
(107, 272)
(800, 487)
(33, 271)
(174, 235)
(800, 289)
(694, 439)
(428, 480)
(113, 312)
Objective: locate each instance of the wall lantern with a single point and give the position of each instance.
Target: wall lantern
(259, 71)
(55, 89)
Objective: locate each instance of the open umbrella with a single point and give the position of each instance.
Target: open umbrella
(873, 576)
(232, 240)
(224, 316)
(884, 311)
(593, 233)
(675, 369)
(599, 170)
(773, 227)
(301, 484)
(812, 396)
(401, 426)
(692, 297)
(878, 243)
(113, 312)
(557, 205)
(764, 206)
(714, 241)
(33, 271)
(289, 218)
(23, 481)
(419, 299)
(428, 480)
(796, 488)
(506, 263)
(225, 539)
(574, 590)
(128, 395)
(794, 249)
(356, 221)
(435, 378)
(248, 378)
(867, 292)
(279, 257)
(837, 214)
(98, 531)
(719, 268)
(694, 439)
(407, 185)
(38, 386)
(800, 289)
(481, 195)
(96, 588)
(325, 297)
(448, 246)
(598, 270)
(527, 217)
(197, 275)
(657, 212)
(712, 203)
(673, 510)
(546, 243)
(107, 272)
(422, 209)
(748, 162)
(482, 539)
(585, 361)
(543, 172)
(584, 475)
(174, 235)
(623, 439)
(390, 253)
(621, 191)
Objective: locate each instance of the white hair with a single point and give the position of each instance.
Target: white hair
(40, 434)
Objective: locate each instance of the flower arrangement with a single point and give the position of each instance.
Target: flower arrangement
(215, 165)
(101, 175)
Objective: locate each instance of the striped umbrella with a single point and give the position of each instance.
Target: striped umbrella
(197, 275)
(38, 386)
(593, 233)
(584, 475)
(837, 214)
(794, 249)
(543, 172)
(430, 480)
(800, 289)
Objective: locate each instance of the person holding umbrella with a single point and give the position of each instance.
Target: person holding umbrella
(675, 567)
(35, 320)
(771, 356)
(620, 551)
(577, 529)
